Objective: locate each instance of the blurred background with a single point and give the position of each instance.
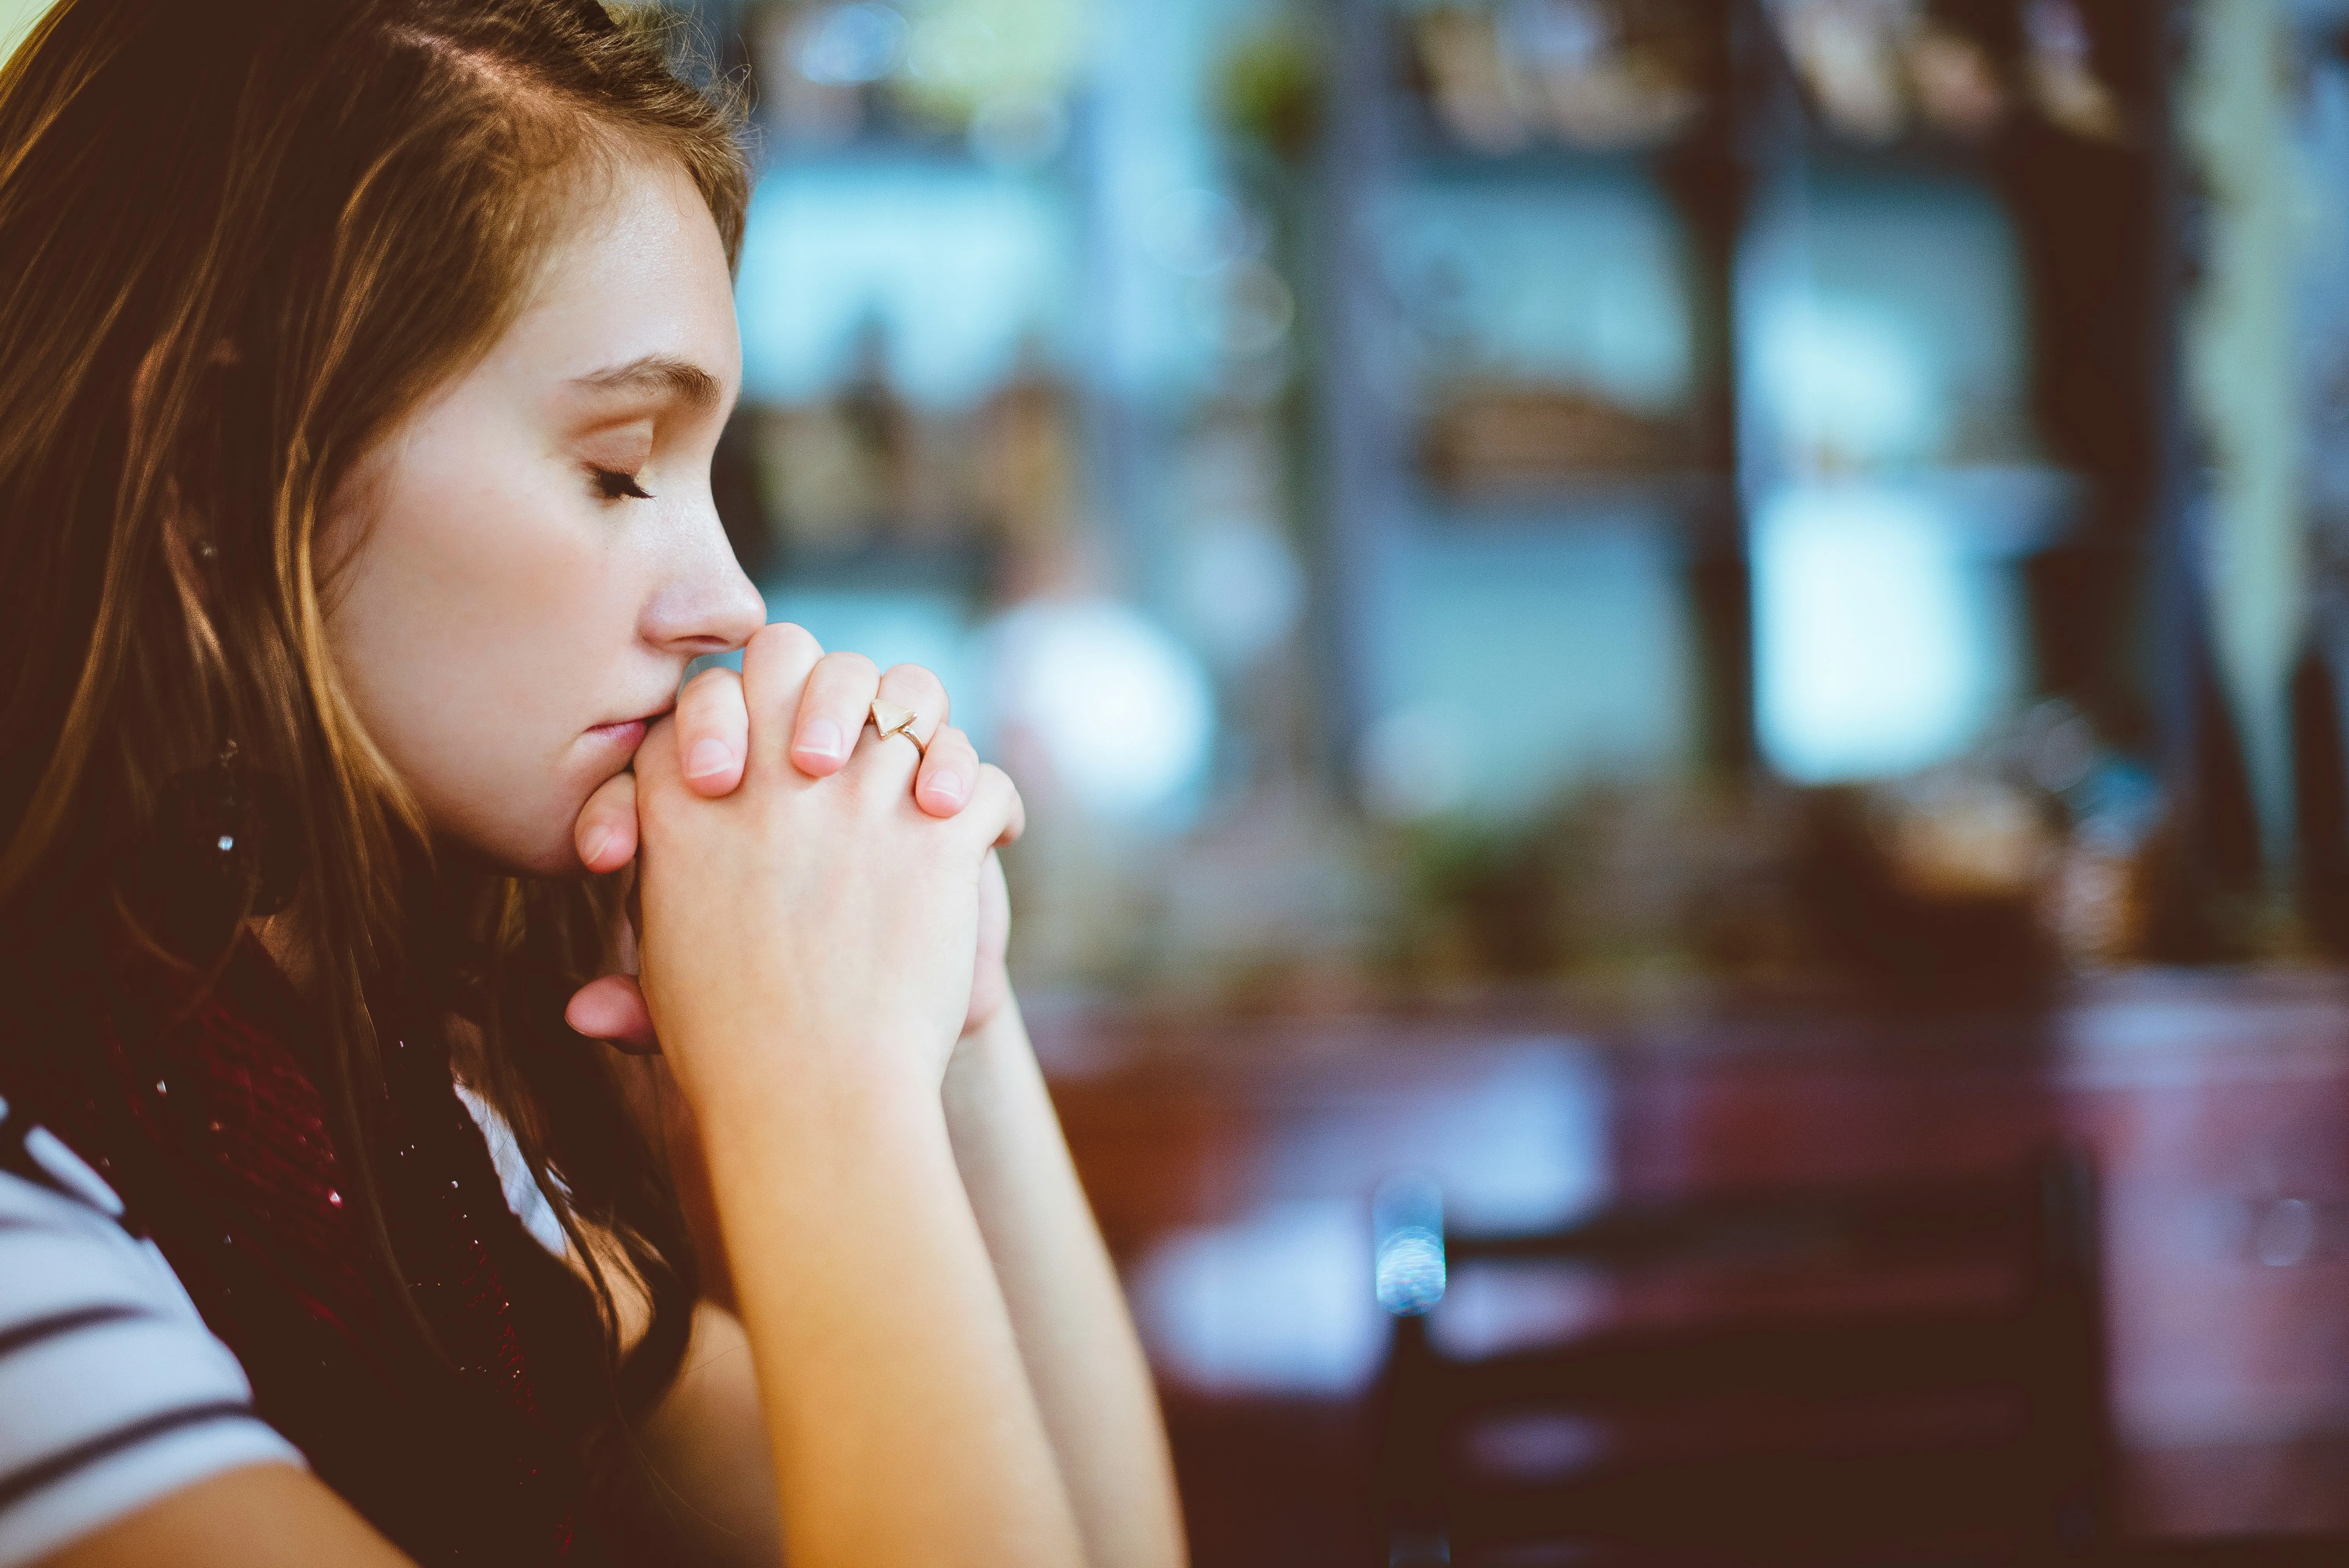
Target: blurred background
(1604, 606)
(1601, 604)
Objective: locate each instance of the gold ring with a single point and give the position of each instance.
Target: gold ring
(890, 720)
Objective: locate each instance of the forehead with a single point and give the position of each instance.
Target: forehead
(640, 273)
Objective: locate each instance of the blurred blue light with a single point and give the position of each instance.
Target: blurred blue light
(844, 45)
(1411, 1271)
(1881, 646)
(1407, 1217)
(1272, 1301)
(1123, 711)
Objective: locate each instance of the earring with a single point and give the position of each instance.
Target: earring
(224, 848)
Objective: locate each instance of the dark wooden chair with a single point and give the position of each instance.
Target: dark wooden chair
(1880, 1375)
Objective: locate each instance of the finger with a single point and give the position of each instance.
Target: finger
(996, 810)
(613, 1009)
(839, 692)
(990, 986)
(606, 832)
(889, 762)
(658, 767)
(713, 732)
(949, 768)
(775, 666)
(919, 692)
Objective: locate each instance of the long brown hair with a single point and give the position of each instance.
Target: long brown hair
(238, 244)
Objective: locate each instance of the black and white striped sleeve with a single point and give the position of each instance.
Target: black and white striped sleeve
(113, 1393)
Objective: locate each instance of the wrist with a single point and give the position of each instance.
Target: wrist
(987, 1061)
(800, 1080)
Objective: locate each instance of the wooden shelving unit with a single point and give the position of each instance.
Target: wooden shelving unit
(2086, 511)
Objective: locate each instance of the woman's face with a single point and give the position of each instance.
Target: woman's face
(519, 572)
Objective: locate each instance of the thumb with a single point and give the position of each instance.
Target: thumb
(611, 1009)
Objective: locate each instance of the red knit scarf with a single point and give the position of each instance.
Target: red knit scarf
(205, 1116)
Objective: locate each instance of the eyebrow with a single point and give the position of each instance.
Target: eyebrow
(679, 379)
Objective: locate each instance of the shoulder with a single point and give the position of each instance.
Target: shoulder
(112, 1391)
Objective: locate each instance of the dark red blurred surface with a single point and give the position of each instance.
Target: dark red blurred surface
(2218, 1106)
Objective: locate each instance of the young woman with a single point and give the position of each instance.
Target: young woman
(363, 364)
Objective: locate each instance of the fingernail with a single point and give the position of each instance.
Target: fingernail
(708, 757)
(821, 738)
(594, 849)
(946, 788)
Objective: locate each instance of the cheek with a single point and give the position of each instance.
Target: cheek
(478, 628)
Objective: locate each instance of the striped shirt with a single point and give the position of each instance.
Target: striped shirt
(113, 1393)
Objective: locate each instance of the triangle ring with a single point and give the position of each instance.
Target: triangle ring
(890, 720)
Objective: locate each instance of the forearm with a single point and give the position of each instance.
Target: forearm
(902, 1426)
(1075, 1337)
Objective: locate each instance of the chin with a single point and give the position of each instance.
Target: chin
(554, 863)
(543, 848)
(559, 865)
(554, 853)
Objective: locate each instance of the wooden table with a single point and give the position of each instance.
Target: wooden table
(1231, 1161)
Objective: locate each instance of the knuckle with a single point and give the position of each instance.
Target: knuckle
(919, 679)
(708, 690)
(848, 665)
(782, 638)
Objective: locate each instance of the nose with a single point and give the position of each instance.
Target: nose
(707, 604)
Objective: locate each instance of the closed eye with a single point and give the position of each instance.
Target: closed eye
(613, 485)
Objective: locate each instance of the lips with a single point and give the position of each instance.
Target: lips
(627, 732)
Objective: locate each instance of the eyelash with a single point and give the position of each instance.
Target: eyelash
(613, 485)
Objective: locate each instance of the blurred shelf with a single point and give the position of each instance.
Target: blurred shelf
(1990, 161)
(1429, 153)
(2006, 510)
(1694, 500)
(1683, 104)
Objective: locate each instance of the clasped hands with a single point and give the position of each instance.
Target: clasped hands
(841, 790)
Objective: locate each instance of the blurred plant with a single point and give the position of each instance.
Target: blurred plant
(1974, 883)
(1616, 881)
(1979, 883)
(997, 71)
(1480, 899)
(1269, 89)
(1930, 893)
(1976, 878)
(966, 59)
